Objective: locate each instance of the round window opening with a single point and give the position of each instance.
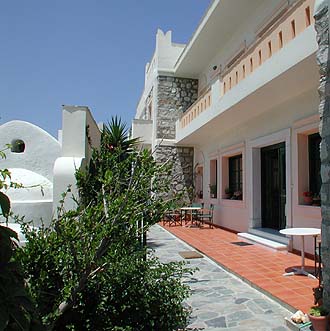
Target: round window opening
(17, 146)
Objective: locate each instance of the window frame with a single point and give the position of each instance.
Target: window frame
(314, 163)
(235, 176)
(213, 178)
(225, 154)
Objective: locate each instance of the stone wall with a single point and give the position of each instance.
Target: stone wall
(182, 171)
(322, 28)
(174, 96)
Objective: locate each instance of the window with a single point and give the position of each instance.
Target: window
(17, 146)
(314, 163)
(251, 64)
(213, 178)
(236, 176)
(260, 57)
(243, 70)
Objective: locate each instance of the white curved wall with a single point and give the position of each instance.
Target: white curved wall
(41, 149)
(35, 186)
(32, 168)
(34, 211)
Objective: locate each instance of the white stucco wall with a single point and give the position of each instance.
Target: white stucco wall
(35, 186)
(33, 169)
(283, 122)
(167, 51)
(41, 149)
(80, 134)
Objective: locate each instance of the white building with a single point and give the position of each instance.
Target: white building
(237, 109)
(30, 161)
(44, 166)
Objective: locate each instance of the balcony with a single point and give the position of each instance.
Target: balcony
(270, 41)
(281, 62)
(200, 105)
(142, 129)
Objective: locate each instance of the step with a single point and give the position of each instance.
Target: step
(270, 234)
(263, 241)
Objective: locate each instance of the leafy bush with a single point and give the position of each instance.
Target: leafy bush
(318, 311)
(17, 311)
(89, 270)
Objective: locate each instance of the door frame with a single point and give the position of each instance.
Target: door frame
(254, 175)
(266, 171)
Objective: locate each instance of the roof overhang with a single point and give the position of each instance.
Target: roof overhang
(214, 30)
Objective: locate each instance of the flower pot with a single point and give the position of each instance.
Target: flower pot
(319, 322)
(308, 200)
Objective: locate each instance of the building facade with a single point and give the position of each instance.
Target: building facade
(237, 110)
(44, 166)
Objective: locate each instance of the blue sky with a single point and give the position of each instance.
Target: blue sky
(82, 52)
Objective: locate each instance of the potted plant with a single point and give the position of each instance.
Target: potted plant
(308, 197)
(237, 195)
(213, 190)
(228, 193)
(318, 315)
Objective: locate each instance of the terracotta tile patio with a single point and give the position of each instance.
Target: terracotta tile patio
(260, 266)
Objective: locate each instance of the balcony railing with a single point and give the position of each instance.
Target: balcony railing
(278, 31)
(291, 23)
(200, 105)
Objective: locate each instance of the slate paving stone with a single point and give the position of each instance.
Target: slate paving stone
(219, 322)
(241, 300)
(219, 300)
(241, 315)
(206, 315)
(254, 308)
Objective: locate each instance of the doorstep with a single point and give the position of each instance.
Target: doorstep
(263, 241)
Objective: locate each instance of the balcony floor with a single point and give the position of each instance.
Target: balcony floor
(257, 265)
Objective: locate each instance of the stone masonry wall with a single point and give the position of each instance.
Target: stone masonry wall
(182, 160)
(174, 96)
(322, 28)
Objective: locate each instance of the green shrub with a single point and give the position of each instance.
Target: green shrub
(89, 270)
(17, 310)
(318, 311)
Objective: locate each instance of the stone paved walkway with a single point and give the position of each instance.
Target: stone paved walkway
(219, 300)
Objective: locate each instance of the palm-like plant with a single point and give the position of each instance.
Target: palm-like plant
(114, 141)
(116, 135)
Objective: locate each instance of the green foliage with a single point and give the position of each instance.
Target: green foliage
(318, 311)
(115, 135)
(89, 270)
(17, 311)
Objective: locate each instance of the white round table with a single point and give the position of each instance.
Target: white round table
(302, 232)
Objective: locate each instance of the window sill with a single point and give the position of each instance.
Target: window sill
(308, 206)
(233, 203)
